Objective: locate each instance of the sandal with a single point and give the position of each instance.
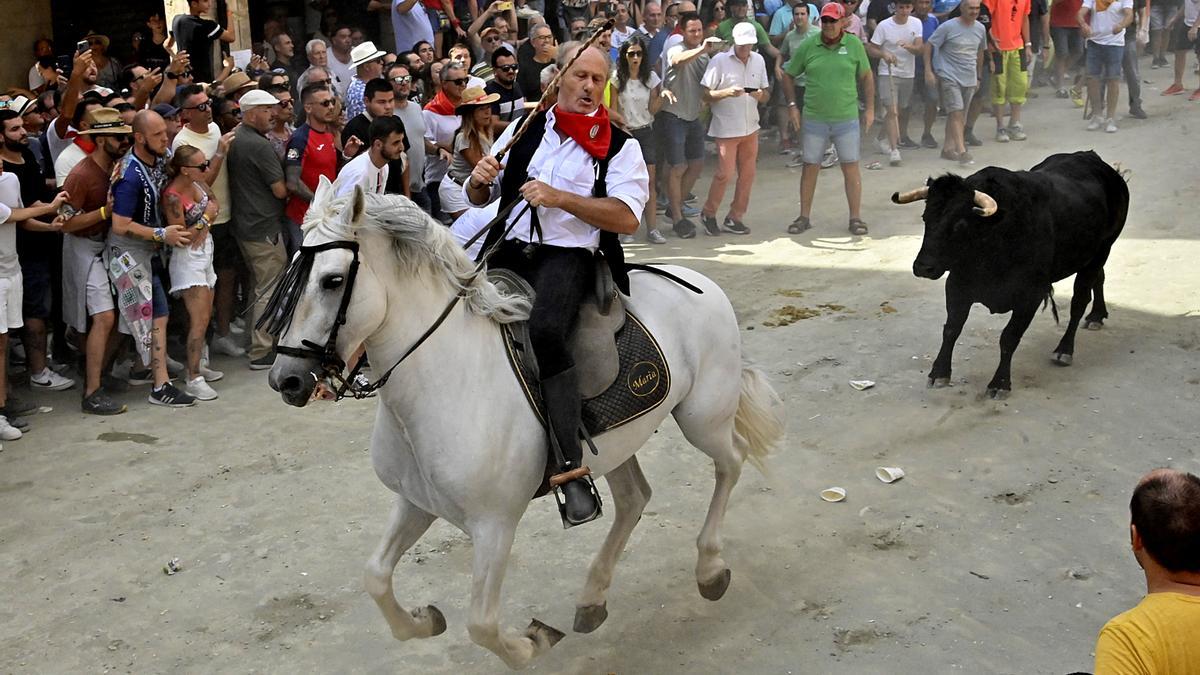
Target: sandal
(800, 224)
(857, 227)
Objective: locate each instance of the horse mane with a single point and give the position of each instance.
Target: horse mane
(423, 246)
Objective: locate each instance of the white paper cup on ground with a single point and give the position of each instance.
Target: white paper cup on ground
(833, 494)
(889, 474)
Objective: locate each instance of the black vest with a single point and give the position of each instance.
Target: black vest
(516, 174)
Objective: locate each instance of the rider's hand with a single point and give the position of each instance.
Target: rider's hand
(485, 172)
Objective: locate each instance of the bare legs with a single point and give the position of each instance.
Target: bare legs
(199, 301)
(96, 349)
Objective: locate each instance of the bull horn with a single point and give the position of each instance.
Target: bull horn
(984, 204)
(911, 196)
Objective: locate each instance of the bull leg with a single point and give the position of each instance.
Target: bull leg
(1064, 353)
(957, 309)
(1010, 337)
(1095, 318)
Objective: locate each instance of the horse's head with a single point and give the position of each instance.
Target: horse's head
(328, 301)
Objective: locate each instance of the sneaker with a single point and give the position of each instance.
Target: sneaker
(1137, 113)
(139, 377)
(684, 228)
(626, 238)
(655, 237)
(48, 380)
(1173, 90)
(114, 384)
(1017, 132)
(710, 225)
(907, 143)
(15, 407)
(928, 141)
(894, 158)
(1110, 126)
(174, 368)
(1002, 135)
(199, 389)
(689, 198)
(167, 395)
(688, 211)
(885, 146)
(225, 344)
(1094, 123)
(263, 362)
(831, 158)
(965, 159)
(734, 227)
(1195, 96)
(797, 161)
(8, 432)
(238, 324)
(1062, 93)
(209, 374)
(100, 404)
(971, 139)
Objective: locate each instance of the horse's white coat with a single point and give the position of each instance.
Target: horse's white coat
(454, 437)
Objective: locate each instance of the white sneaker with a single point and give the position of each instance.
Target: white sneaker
(198, 388)
(1094, 123)
(236, 328)
(225, 344)
(209, 374)
(7, 431)
(1110, 126)
(48, 380)
(894, 158)
(885, 146)
(174, 368)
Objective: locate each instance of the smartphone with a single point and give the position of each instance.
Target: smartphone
(82, 46)
(503, 6)
(997, 62)
(65, 64)
(750, 90)
(1024, 61)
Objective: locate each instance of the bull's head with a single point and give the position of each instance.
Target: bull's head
(950, 208)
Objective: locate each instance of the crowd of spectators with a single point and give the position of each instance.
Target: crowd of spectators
(151, 195)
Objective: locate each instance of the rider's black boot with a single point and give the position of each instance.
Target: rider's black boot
(580, 502)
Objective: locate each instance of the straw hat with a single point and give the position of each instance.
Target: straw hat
(474, 97)
(237, 82)
(105, 121)
(365, 52)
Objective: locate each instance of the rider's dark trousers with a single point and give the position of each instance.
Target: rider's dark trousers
(560, 278)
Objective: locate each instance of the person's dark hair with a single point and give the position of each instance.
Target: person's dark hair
(311, 90)
(382, 127)
(55, 99)
(643, 73)
(276, 89)
(40, 41)
(340, 27)
(182, 157)
(376, 86)
(417, 45)
(7, 114)
(400, 63)
(501, 51)
(1165, 509)
(85, 104)
(185, 92)
(691, 16)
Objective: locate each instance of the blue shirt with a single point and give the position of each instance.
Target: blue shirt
(135, 196)
(943, 6)
(781, 19)
(355, 105)
(657, 43)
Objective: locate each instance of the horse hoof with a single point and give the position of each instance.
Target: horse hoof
(543, 635)
(589, 618)
(998, 394)
(1093, 325)
(939, 382)
(1064, 360)
(715, 588)
(437, 621)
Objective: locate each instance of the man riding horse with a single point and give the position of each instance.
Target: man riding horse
(584, 185)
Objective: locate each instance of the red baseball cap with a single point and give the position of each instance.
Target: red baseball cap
(833, 10)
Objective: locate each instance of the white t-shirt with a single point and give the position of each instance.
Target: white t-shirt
(363, 172)
(343, 73)
(439, 129)
(1104, 20)
(10, 200)
(735, 116)
(67, 159)
(888, 35)
(619, 37)
(208, 144)
(635, 101)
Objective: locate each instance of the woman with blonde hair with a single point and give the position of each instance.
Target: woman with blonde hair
(472, 141)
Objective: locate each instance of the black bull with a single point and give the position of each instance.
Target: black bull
(1006, 236)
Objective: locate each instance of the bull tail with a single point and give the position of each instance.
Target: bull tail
(1048, 299)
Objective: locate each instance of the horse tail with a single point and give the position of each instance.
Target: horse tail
(758, 422)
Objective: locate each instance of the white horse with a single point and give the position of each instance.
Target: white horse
(455, 437)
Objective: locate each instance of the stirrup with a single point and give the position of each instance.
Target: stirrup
(558, 480)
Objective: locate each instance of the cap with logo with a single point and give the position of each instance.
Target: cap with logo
(103, 121)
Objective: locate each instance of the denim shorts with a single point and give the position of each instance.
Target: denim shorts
(1066, 40)
(682, 141)
(817, 135)
(1104, 61)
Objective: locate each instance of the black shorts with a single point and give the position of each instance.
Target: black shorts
(226, 254)
(648, 141)
(37, 289)
(1179, 39)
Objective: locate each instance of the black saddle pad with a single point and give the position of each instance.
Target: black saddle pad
(642, 382)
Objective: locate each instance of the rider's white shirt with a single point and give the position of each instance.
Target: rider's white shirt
(566, 166)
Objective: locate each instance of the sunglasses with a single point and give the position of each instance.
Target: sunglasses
(492, 38)
(462, 81)
(509, 68)
(203, 166)
(123, 107)
(199, 106)
(328, 103)
(402, 79)
(288, 103)
(631, 54)
(324, 83)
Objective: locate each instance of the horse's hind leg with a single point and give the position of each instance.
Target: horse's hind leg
(712, 575)
(405, 527)
(630, 493)
(492, 542)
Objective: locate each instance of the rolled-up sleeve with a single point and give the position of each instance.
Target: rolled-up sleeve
(628, 179)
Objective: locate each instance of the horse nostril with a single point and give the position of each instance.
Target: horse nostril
(291, 384)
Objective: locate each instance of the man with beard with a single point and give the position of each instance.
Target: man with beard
(511, 105)
(135, 252)
(311, 153)
(565, 147)
(88, 305)
(409, 113)
(370, 169)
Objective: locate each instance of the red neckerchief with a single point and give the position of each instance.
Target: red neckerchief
(593, 133)
(86, 144)
(830, 43)
(441, 104)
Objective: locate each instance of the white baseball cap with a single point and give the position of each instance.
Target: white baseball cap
(744, 34)
(256, 97)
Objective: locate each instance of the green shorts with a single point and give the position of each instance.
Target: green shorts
(1011, 83)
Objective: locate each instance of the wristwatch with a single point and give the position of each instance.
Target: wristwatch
(160, 235)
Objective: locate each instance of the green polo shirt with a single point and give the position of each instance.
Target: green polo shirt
(725, 31)
(832, 92)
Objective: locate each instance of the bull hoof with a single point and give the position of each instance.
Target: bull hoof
(589, 618)
(939, 382)
(715, 588)
(437, 621)
(1093, 325)
(998, 394)
(544, 636)
(1064, 360)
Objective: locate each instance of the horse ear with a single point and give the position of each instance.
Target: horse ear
(324, 190)
(354, 209)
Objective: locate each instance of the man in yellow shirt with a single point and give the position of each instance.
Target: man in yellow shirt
(1161, 635)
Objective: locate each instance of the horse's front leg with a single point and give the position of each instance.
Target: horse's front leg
(405, 527)
(492, 542)
(630, 493)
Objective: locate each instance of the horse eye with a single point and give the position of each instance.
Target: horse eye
(332, 282)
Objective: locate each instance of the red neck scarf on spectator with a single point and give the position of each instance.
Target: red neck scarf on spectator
(441, 104)
(592, 132)
(85, 143)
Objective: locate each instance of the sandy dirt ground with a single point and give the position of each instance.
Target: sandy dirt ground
(1003, 550)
